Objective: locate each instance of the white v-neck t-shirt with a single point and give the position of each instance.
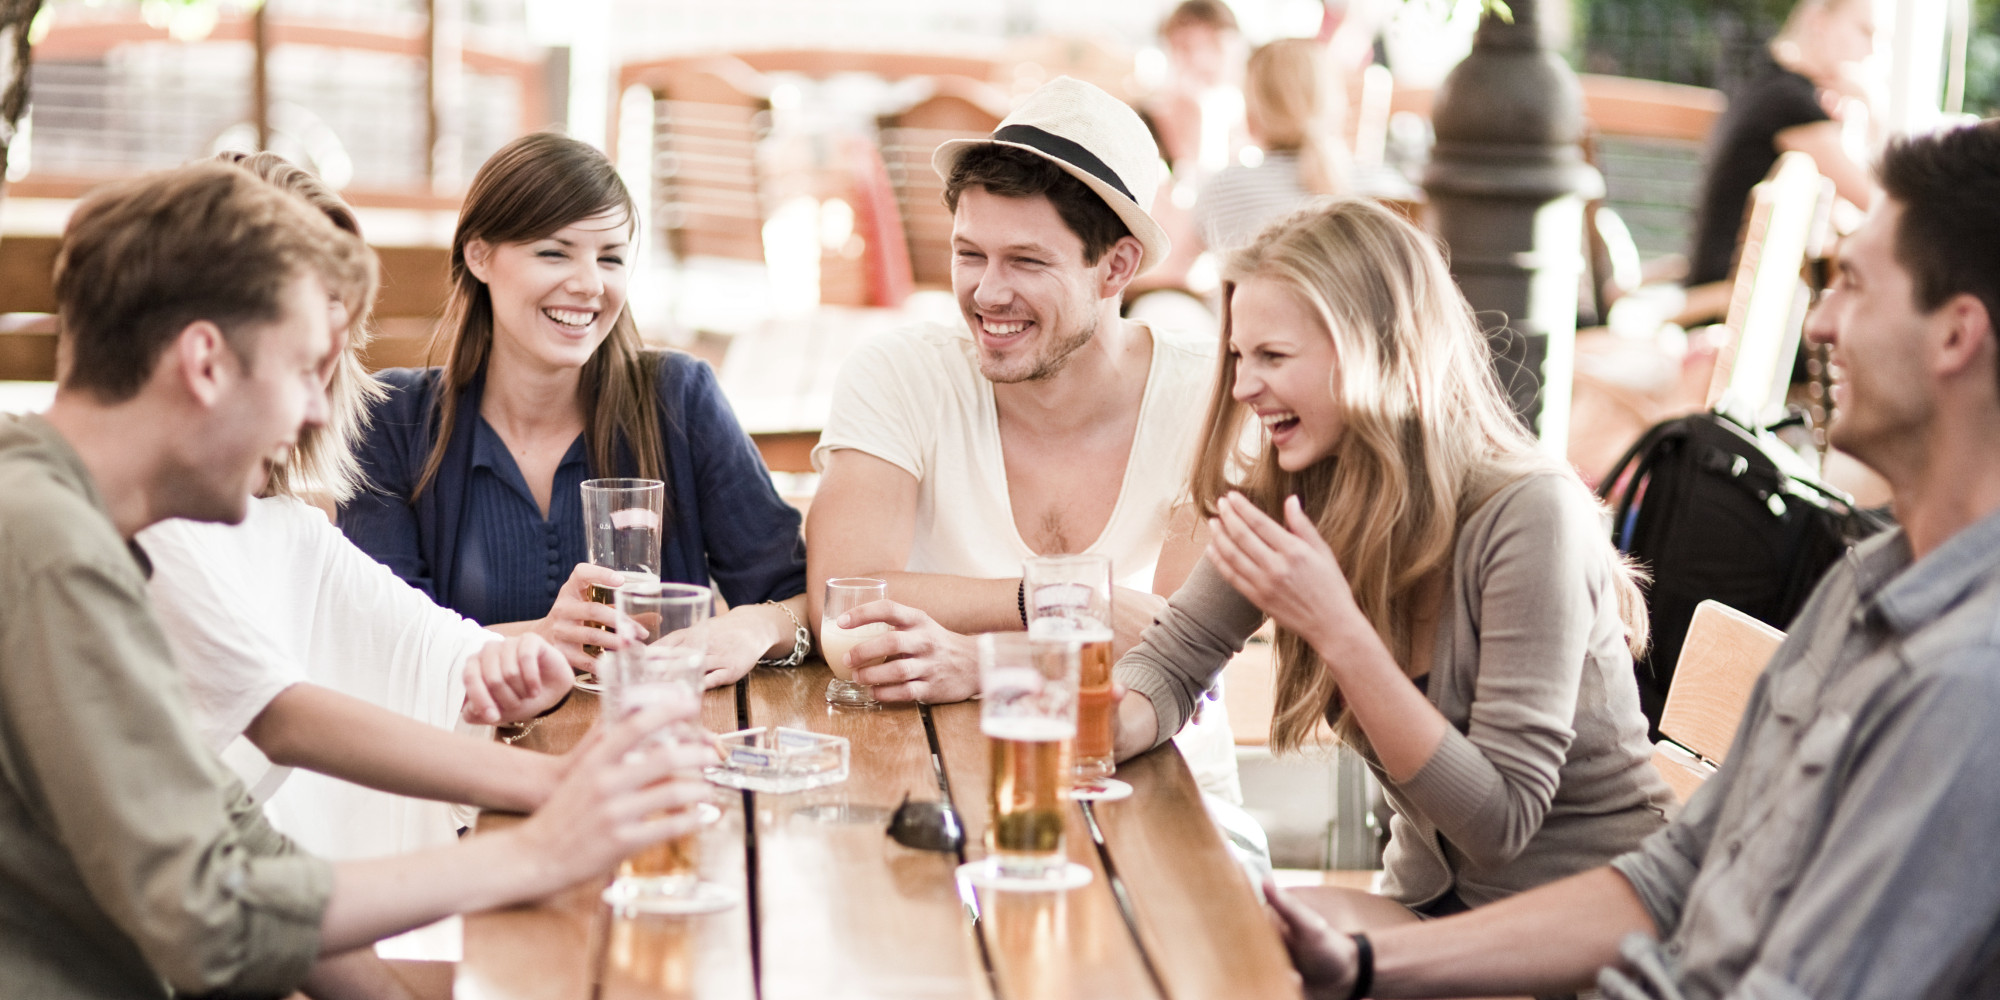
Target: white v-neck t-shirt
(915, 399)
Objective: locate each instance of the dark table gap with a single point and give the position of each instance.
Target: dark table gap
(971, 907)
(1124, 899)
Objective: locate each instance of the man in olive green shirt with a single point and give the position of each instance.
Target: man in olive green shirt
(201, 310)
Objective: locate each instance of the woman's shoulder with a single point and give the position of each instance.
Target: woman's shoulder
(1545, 501)
(408, 392)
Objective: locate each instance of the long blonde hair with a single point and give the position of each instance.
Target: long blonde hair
(1428, 436)
(324, 457)
(1292, 100)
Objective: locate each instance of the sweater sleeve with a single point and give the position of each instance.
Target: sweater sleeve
(1206, 623)
(1534, 583)
(754, 548)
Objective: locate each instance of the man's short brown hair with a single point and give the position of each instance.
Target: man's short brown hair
(1017, 173)
(1948, 185)
(142, 259)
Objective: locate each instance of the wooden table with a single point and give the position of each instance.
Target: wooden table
(837, 909)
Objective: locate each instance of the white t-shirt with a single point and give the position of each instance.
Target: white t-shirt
(253, 608)
(915, 399)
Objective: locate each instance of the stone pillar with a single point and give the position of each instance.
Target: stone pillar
(1507, 184)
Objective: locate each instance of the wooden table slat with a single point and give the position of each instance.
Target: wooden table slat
(845, 911)
(570, 946)
(1044, 945)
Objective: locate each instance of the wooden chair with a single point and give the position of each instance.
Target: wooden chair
(710, 115)
(1788, 222)
(1724, 653)
(958, 108)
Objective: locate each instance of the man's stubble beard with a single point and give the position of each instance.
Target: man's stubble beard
(1053, 358)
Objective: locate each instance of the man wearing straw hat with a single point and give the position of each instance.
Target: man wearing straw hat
(1047, 424)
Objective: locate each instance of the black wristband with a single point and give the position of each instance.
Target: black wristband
(1021, 601)
(1364, 967)
(560, 702)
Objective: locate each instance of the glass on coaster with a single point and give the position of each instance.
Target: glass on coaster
(655, 667)
(1027, 710)
(622, 520)
(1100, 790)
(844, 595)
(1070, 597)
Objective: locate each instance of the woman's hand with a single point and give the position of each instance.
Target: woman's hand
(733, 642)
(514, 680)
(575, 621)
(1286, 570)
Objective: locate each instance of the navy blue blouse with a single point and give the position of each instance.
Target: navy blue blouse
(477, 543)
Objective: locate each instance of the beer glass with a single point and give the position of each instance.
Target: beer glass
(1027, 710)
(621, 531)
(1070, 597)
(844, 595)
(652, 669)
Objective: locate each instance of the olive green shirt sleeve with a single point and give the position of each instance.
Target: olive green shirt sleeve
(148, 836)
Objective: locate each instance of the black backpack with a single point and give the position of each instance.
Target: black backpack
(1718, 511)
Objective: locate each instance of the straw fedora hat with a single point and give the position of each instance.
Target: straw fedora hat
(1097, 139)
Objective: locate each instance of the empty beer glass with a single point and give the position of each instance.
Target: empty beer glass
(622, 520)
(1028, 713)
(1070, 597)
(651, 668)
(844, 595)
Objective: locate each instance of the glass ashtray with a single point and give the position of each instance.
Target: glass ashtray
(763, 759)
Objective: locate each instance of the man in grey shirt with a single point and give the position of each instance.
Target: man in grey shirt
(1845, 848)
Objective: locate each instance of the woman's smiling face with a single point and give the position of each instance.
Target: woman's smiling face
(1285, 369)
(555, 298)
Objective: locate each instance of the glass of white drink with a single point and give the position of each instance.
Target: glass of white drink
(844, 595)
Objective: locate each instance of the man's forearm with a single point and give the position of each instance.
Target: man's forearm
(964, 605)
(1548, 940)
(378, 897)
(323, 730)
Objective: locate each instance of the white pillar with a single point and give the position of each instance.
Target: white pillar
(590, 66)
(1914, 32)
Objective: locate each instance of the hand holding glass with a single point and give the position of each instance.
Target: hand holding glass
(621, 531)
(844, 595)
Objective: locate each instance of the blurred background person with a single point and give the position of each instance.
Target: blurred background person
(1803, 84)
(1293, 109)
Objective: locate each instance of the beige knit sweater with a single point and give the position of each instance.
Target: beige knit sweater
(1546, 770)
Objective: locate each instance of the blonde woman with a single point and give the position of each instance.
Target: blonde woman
(1293, 108)
(1444, 594)
(322, 660)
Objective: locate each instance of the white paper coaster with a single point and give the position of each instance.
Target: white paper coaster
(1101, 790)
(986, 875)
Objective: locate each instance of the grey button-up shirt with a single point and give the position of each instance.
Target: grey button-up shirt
(1850, 847)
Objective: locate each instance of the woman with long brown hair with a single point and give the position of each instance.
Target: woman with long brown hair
(473, 468)
(1445, 595)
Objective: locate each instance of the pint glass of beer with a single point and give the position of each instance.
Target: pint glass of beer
(844, 595)
(651, 668)
(1070, 597)
(622, 520)
(1027, 710)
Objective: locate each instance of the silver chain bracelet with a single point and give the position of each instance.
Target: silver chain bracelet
(802, 640)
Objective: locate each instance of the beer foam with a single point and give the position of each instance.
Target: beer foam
(1027, 729)
(635, 517)
(1080, 628)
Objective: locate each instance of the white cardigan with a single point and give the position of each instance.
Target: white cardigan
(282, 598)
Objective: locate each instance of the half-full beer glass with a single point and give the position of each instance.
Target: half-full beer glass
(622, 519)
(844, 595)
(1069, 597)
(654, 668)
(1027, 710)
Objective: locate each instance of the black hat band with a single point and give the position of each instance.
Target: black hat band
(1065, 150)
